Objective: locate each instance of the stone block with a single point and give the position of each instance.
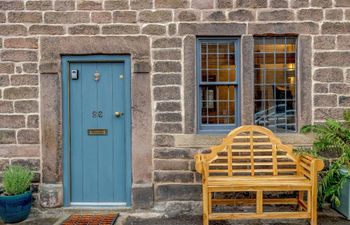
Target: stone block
(342, 3)
(202, 4)
(168, 106)
(343, 42)
(334, 14)
(347, 76)
(24, 17)
(31, 164)
(223, 4)
(324, 42)
(172, 4)
(251, 3)
(20, 93)
(335, 28)
(141, 4)
(167, 66)
(142, 196)
(21, 43)
(283, 28)
(84, 30)
(329, 75)
(12, 121)
(181, 192)
(51, 195)
(120, 29)
(172, 29)
(2, 17)
(212, 28)
(124, 16)
(166, 79)
(64, 5)
(329, 59)
(66, 17)
(4, 163)
(279, 3)
(339, 88)
(28, 136)
(142, 67)
(7, 68)
(89, 5)
(46, 30)
(159, 16)
(167, 43)
(213, 16)
(13, 30)
(11, 5)
(299, 3)
(241, 15)
(7, 137)
(325, 100)
(168, 128)
(321, 3)
(328, 113)
(101, 17)
(321, 88)
(39, 5)
(6, 106)
(4, 80)
(19, 151)
(173, 176)
(19, 55)
(33, 121)
(344, 101)
(170, 153)
(187, 15)
(167, 54)
(168, 117)
(154, 29)
(163, 140)
(28, 106)
(310, 14)
(18, 69)
(169, 164)
(116, 4)
(276, 15)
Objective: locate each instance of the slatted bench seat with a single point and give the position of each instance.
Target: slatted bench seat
(253, 159)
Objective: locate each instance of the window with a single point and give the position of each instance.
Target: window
(218, 80)
(275, 83)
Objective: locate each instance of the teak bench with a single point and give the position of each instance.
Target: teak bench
(253, 159)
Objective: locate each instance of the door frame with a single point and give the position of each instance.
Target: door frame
(65, 62)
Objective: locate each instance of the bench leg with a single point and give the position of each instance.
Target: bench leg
(205, 205)
(314, 207)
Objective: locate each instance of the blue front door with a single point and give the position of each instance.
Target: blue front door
(98, 123)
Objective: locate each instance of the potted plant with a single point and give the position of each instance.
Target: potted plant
(16, 199)
(334, 136)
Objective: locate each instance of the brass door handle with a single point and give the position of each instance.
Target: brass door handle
(118, 114)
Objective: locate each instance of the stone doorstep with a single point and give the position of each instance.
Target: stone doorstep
(145, 217)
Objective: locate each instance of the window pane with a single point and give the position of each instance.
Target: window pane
(275, 83)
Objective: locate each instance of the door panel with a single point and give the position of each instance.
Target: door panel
(98, 163)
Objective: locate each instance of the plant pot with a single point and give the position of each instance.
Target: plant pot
(16, 208)
(344, 197)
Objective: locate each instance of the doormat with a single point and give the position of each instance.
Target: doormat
(87, 219)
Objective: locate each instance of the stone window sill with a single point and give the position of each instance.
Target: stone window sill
(207, 140)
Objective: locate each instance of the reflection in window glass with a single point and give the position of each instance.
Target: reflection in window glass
(275, 83)
(217, 84)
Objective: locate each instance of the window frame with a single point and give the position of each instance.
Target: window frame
(218, 128)
(296, 76)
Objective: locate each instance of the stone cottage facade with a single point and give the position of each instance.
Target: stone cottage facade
(167, 42)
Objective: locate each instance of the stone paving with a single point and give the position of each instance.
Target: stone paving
(326, 217)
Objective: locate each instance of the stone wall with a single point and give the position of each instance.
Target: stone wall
(29, 71)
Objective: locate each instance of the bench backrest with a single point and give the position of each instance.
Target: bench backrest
(251, 151)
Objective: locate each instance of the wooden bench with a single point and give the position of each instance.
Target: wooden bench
(253, 159)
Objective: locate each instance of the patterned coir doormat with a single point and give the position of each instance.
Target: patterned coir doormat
(99, 219)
